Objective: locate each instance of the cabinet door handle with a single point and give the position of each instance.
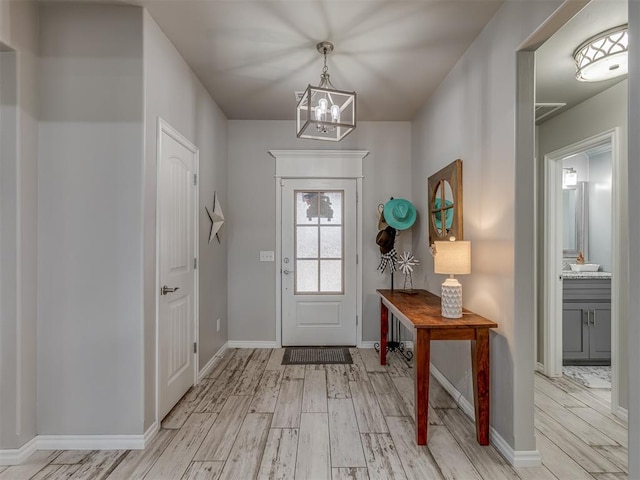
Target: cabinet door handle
(594, 317)
(587, 320)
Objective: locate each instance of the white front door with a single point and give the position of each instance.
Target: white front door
(319, 280)
(177, 200)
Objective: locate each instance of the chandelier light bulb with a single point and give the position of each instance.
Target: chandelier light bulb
(335, 113)
(322, 105)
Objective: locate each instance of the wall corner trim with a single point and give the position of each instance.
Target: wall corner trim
(150, 434)
(15, 456)
(517, 458)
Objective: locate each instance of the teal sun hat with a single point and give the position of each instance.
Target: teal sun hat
(400, 213)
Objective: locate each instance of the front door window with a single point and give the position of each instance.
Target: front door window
(319, 252)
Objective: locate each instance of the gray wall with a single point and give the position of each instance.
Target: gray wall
(90, 373)
(173, 93)
(634, 239)
(18, 241)
(251, 214)
(592, 117)
(472, 116)
(96, 229)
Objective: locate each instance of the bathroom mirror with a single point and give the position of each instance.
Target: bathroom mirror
(574, 221)
(445, 203)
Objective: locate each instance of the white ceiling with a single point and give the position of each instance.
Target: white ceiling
(555, 68)
(252, 55)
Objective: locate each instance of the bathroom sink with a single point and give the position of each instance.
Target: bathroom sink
(587, 267)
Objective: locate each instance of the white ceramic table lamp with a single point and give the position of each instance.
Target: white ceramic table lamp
(453, 258)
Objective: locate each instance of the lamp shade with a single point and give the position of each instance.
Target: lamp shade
(452, 257)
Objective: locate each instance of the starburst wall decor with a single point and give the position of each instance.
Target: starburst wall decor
(216, 217)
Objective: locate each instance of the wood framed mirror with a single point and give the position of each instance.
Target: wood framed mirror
(444, 203)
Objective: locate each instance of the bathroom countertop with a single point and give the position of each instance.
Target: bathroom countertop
(571, 274)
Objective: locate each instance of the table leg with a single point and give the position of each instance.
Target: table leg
(480, 366)
(384, 331)
(422, 361)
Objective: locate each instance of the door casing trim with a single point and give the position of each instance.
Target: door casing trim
(321, 164)
(552, 364)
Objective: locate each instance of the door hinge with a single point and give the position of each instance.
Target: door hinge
(195, 263)
(356, 320)
(195, 179)
(195, 347)
(357, 259)
(357, 197)
(282, 182)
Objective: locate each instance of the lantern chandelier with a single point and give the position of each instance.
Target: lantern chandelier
(604, 56)
(324, 113)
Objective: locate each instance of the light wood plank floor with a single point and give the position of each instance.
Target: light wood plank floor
(252, 418)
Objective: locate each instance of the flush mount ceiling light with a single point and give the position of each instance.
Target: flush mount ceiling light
(324, 113)
(603, 56)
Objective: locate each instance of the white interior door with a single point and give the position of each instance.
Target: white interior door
(319, 280)
(177, 199)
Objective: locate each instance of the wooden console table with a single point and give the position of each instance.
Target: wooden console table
(421, 312)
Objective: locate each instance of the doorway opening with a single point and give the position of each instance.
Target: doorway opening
(581, 260)
(564, 409)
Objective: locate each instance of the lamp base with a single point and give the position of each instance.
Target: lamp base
(451, 298)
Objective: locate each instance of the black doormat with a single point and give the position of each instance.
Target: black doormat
(316, 356)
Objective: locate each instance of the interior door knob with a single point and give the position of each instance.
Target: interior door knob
(287, 272)
(164, 290)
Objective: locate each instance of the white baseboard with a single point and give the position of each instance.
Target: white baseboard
(78, 442)
(539, 367)
(462, 402)
(517, 458)
(91, 442)
(209, 366)
(15, 456)
(622, 413)
(151, 433)
(250, 344)
(370, 344)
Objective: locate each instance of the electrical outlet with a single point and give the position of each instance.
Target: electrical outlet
(218, 325)
(267, 256)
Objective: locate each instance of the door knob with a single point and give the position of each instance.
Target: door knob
(287, 272)
(164, 290)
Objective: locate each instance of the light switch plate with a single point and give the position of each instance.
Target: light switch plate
(267, 256)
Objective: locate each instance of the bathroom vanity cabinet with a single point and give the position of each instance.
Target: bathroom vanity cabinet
(586, 321)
